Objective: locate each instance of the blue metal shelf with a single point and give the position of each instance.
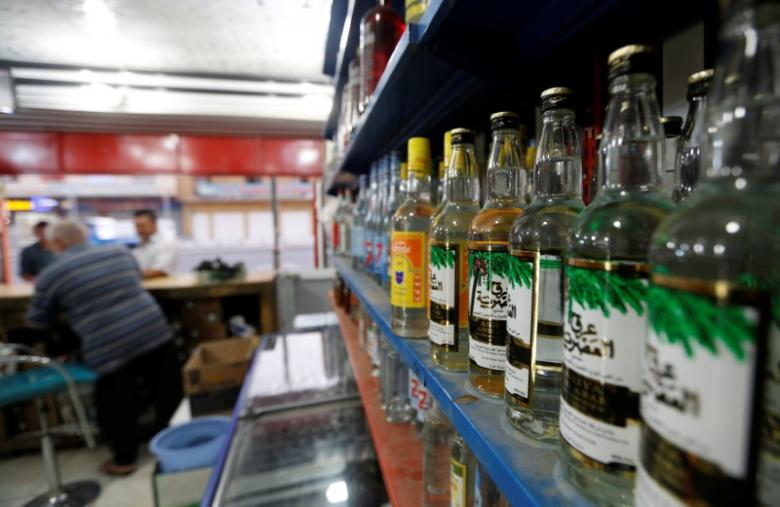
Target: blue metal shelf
(526, 471)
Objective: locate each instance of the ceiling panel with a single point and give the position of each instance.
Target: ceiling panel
(279, 39)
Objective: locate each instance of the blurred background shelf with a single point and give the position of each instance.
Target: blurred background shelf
(465, 60)
(527, 472)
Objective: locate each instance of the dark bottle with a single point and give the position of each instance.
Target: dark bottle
(380, 29)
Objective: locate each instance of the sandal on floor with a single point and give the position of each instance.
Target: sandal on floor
(111, 468)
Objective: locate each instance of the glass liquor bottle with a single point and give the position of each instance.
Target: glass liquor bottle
(488, 252)
(345, 223)
(411, 228)
(687, 162)
(380, 29)
(449, 324)
(380, 239)
(463, 469)
(672, 126)
(711, 397)
(394, 200)
(370, 227)
(437, 436)
(537, 243)
(443, 171)
(359, 224)
(606, 284)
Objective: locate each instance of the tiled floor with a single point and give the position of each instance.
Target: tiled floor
(23, 478)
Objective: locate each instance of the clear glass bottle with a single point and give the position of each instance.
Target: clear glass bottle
(488, 252)
(711, 362)
(606, 284)
(399, 409)
(486, 493)
(440, 183)
(463, 471)
(353, 82)
(379, 247)
(449, 324)
(437, 437)
(371, 216)
(687, 160)
(536, 246)
(411, 229)
(359, 224)
(380, 29)
(394, 200)
(672, 126)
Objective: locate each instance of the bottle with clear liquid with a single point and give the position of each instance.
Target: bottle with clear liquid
(486, 493)
(687, 160)
(437, 437)
(441, 183)
(380, 29)
(672, 126)
(488, 252)
(463, 471)
(711, 391)
(372, 212)
(411, 228)
(536, 246)
(359, 224)
(605, 274)
(380, 238)
(345, 223)
(448, 264)
(394, 200)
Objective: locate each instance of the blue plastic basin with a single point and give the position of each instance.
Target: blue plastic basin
(195, 444)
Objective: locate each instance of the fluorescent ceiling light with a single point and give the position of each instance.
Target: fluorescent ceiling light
(147, 80)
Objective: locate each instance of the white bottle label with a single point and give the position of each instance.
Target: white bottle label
(443, 295)
(535, 318)
(698, 397)
(603, 344)
(488, 307)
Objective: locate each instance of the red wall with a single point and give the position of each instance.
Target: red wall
(85, 153)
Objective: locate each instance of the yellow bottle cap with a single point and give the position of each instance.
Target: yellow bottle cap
(442, 169)
(419, 151)
(404, 170)
(530, 156)
(447, 146)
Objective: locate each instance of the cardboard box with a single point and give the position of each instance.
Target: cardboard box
(218, 365)
(180, 489)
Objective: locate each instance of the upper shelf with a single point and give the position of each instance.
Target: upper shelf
(465, 48)
(526, 471)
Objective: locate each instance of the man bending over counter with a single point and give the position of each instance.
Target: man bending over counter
(124, 335)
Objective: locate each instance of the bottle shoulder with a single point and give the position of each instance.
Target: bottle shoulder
(544, 228)
(721, 237)
(493, 224)
(619, 226)
(453, 221)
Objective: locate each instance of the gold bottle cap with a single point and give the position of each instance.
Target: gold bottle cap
(404, 170)
(419, 153)
(702, 75)
(632, 59)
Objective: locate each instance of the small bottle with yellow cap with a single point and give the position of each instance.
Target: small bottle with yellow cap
(409, 246)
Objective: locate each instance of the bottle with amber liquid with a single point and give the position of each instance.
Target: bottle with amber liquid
(380, 29)
(488, 252)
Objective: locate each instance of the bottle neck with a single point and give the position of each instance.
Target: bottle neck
(504, 166)
(461, 183)
(558, 166)
(418, 186)
(744, 100)
(632, 143)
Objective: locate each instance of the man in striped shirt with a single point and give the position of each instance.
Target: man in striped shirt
(124, 335)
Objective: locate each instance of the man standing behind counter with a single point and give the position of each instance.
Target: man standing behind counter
(124, 335)
(34, 258)
(155, 256)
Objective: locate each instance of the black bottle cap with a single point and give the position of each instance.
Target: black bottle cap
(633, 59)
(559, 97)
(672, 126)
(504, 120)
(462, 136)
(699, 83)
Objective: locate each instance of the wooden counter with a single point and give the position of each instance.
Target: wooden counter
(186, 286)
